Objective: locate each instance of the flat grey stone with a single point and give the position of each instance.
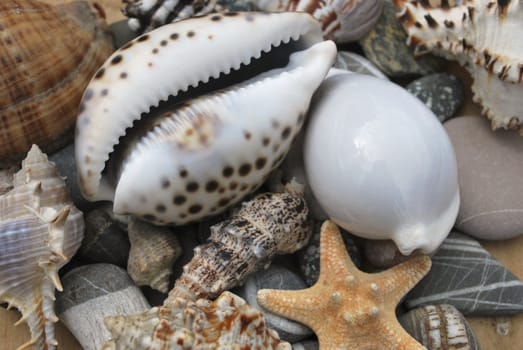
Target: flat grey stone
(442, 93)
(386, 46)
(306, 345)
(465, 275)
(276, 277)
(490, 169)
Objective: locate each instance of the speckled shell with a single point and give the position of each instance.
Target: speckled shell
(380, 163)
(226, 323)
(341, 20)
(439, 327)
(147, 15)
(40, 230)
(47, 56)
(152, 255)
(266, 226)
(483, 36)
(215, 149)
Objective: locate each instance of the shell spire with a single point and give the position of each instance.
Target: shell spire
(481, 35)
(37, 210)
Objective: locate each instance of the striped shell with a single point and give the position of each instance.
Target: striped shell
(47, 56)
(210, 151)
(226, 323)
(483, 36)
(40, 230)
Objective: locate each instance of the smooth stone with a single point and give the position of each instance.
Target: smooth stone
(355, 63)
(104, 241)
(122, 33)
(306, 345)
(386, 46)
(491, 186)
(92, 292)
(465, 275)
(443, 93)
(383, 253)
(276, 277)
(66, 165)
(309, 256)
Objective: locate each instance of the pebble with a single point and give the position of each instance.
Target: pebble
(276, 277)
(466, 276)
(443, 93)
(491, 186)
(355, 63)
(386, 46)
(122, 33)
(306, 345)
(382, 253)
(92, 292)
(309, 256)
(104, 241)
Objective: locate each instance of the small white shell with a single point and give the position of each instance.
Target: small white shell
(380, 163)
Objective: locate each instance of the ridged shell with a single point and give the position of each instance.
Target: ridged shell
(47, 56)
(213, 150)
(341, 20)
(266, 226)
(483, 36)
(226, 323)
(152, 255)
(440, 327)
(40, 230)
(147, 15)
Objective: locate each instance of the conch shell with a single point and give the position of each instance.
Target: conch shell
(268, 225)
(484, 37)
(226, 323)
(47, 54)
(213, 150)
(40, 230)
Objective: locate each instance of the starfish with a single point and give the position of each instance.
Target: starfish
(348, 308)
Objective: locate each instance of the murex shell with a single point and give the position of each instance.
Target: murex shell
(380, 163)
(40, 230)
(482, 35)
(226, 323)
(47, 56)
(211, 151)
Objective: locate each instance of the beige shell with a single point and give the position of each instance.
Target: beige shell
(40, 230)
(47, 56)
(483, 36)
(266, 226)
(153, 252)
(226, 323)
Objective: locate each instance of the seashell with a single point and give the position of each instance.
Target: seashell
(147, 15)
(153, 252)
(341, 20)
(40, 230)
(439, 327)
(205, 155)
(48, 55)
(382, 170)
(226, 323)
(268, 225)
(481, 36)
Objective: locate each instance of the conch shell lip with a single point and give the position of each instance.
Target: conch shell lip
(126, 76)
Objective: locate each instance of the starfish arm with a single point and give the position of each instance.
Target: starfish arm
(334, 260)
(402, 339)
(398, 280)
(292, 304)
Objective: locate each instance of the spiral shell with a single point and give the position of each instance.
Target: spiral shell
(40, 230)
(268, 225)
(226, 323)
(47, 55)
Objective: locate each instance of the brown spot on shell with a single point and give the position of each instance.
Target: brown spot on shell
(143, 37)
(244, 169)
(211, 186)
(160, 208)
(163, 43)
(100, 73)
(266, 141)
(227, 171)
(123, 75)
(216, 18)
(165, 183)
(286, 132)
(174, 36)
(192, 186)
(190, 34)
(126, 46)
(116, 59)
(195, 208)
(449, 24)
(431, 21)
(260, 162)
(184, 173)
(179, 199)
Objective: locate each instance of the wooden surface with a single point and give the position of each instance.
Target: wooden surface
(508, 252)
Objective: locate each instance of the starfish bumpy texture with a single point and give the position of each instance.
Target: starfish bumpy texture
(348, 308)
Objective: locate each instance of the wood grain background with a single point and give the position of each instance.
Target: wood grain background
(508, 252)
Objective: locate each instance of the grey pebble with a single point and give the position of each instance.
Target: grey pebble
(276, 277)
(104, 241)
(443, 93)
(309, 256)
(306, 345)
(382, 253)
(465, 275)
(386, 46)
(122, 33)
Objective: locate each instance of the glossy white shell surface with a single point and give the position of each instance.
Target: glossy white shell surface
(380, 163)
